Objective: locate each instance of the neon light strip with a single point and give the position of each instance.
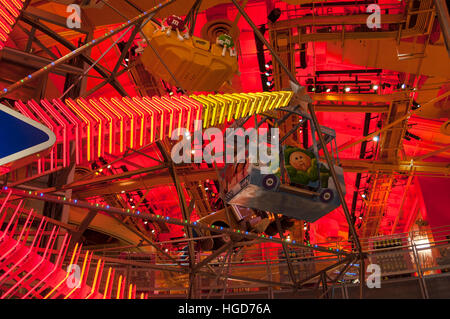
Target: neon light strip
(130, 116)
(161, 115)
(95, 279)
(11, 9)
(98, 119)
(178, 111)
(5, 14)
(76, 122)
(168, 111)
(18, 5)
(86, 121)
(58, 117)
(81, 276)
(119, 288)
(198, 108)
(51, 125)
(121, 118)
(142, 116)
(67, 274)
(152, 116)
(173, 105)
(107, 283)
(111, 123)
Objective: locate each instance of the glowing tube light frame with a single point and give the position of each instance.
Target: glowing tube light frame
(109, 125)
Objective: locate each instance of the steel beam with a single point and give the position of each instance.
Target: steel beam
(78, 51)
(34, 61)
(32, 21)
(293, 79)
(425, 168)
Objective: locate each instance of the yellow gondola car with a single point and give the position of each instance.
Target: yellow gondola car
(196, 63)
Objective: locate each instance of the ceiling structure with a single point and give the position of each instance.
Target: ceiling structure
(384, 91)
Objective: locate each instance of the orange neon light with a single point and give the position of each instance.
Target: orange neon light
(110, 124)
(100, 124)
(67, 274)
(169, 110)
(152, 117)
(122, 130)
(107, 283)
(88, 124)
(197, 108)
(142, 115)
(161, 112)
(81, 276)
(130, 291)
(130, 115)
(17, 4)
(171, 104)
(5, 27)
(7, 16)
(95, 279)
(11, 9)
(119, 287)
(189, 108)
(75, 121)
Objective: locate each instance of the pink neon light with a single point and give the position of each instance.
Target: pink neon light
(178, 112)
(142, 116)
(151, 118)
(168, 115)
(51, 125)
(6, 15)
(111, 120)
(11, 9)
(90, 127)
(66, 129)
(97, 117)
(76, 123)
(159, 121)
(132, 119)
(123, 121)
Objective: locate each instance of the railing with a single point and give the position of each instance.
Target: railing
(259, 269)
(262, 268)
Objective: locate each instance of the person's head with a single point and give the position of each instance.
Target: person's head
(300, 161)
(298, 158)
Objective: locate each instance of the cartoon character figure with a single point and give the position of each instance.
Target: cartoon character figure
(301, 166)
(175, 23)
(226, 41)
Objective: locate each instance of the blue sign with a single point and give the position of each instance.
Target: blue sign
(21, 137)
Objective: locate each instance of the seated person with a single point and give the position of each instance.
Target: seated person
(301, 166)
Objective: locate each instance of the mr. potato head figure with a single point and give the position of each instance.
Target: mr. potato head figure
(301, 166)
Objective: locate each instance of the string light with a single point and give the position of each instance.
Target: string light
(173, 220)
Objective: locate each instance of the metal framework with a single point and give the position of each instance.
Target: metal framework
(334, 263)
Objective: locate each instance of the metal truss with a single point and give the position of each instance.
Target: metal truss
(33, 19)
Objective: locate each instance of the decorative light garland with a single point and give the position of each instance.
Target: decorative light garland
(159, 218)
